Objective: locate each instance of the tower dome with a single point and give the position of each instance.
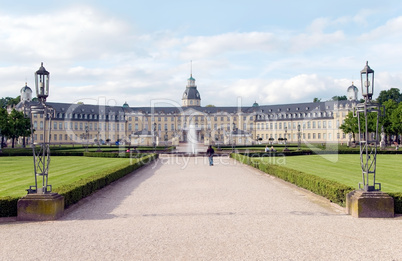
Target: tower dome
(191, 96)
(352, 93)
(26, 93)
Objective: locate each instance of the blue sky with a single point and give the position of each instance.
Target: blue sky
(137, 51)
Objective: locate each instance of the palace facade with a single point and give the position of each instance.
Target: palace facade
(315, 122)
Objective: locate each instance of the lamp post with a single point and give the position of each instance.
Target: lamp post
(86, 137)
(40, 203)
(233, 139)
(369, 200)
(368, 147)
(41, 156)
(154, 138)
(219, 137)
(298, 137)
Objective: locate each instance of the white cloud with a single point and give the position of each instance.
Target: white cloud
(79, 32)
(91, 54)
(211, 46)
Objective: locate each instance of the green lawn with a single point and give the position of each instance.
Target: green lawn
(16, 173)
(346, 168)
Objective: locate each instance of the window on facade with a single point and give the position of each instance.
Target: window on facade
(319, 135)
(319, 124)
(41, 125)
(313, 136)
(136, 127)
(314, 125)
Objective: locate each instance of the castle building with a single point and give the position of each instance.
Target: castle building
(82, 123)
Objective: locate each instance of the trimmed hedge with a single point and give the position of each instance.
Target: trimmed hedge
(8, 206)
(115, 154)
(334, 191)
(397, 202)
(28, 152)
(311, 152)
(75, 192)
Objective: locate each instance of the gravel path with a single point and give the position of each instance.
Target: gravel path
(182, 209)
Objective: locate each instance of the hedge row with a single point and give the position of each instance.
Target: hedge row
(397, 202)
(334, 191)
(310, 152)
(75, 192)
(28, 152)
(115, 154)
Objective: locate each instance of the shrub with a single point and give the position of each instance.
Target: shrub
(334, 191)
(75, 192)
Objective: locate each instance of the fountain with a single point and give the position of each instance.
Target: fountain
(191, 139)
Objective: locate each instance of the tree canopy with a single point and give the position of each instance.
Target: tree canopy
(391, 94)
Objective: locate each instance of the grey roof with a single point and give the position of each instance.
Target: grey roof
(25, 88)
(262, 113)
(191, 93)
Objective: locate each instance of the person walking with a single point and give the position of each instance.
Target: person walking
(210, 153)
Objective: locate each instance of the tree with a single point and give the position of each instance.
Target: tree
(387, 121)
(339, 98)
(391, 94)
(17, 125)
(316, 100)
(396, 119)
(210, 105)
(9, 101)
(350, 125)
(3, 123)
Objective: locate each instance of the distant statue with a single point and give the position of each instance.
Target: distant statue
(382, 142)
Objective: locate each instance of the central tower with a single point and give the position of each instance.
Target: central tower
(191, 96)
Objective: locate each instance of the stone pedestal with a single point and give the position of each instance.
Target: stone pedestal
(369, 204)
(40, 207)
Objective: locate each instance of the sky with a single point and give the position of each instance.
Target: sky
(239, 52)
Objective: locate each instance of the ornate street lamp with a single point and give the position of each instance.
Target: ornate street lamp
(369, 200)
(42, 155)
(40, 203)
(86, 137)
(368, 145)
(233, 138)
(154, 138)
